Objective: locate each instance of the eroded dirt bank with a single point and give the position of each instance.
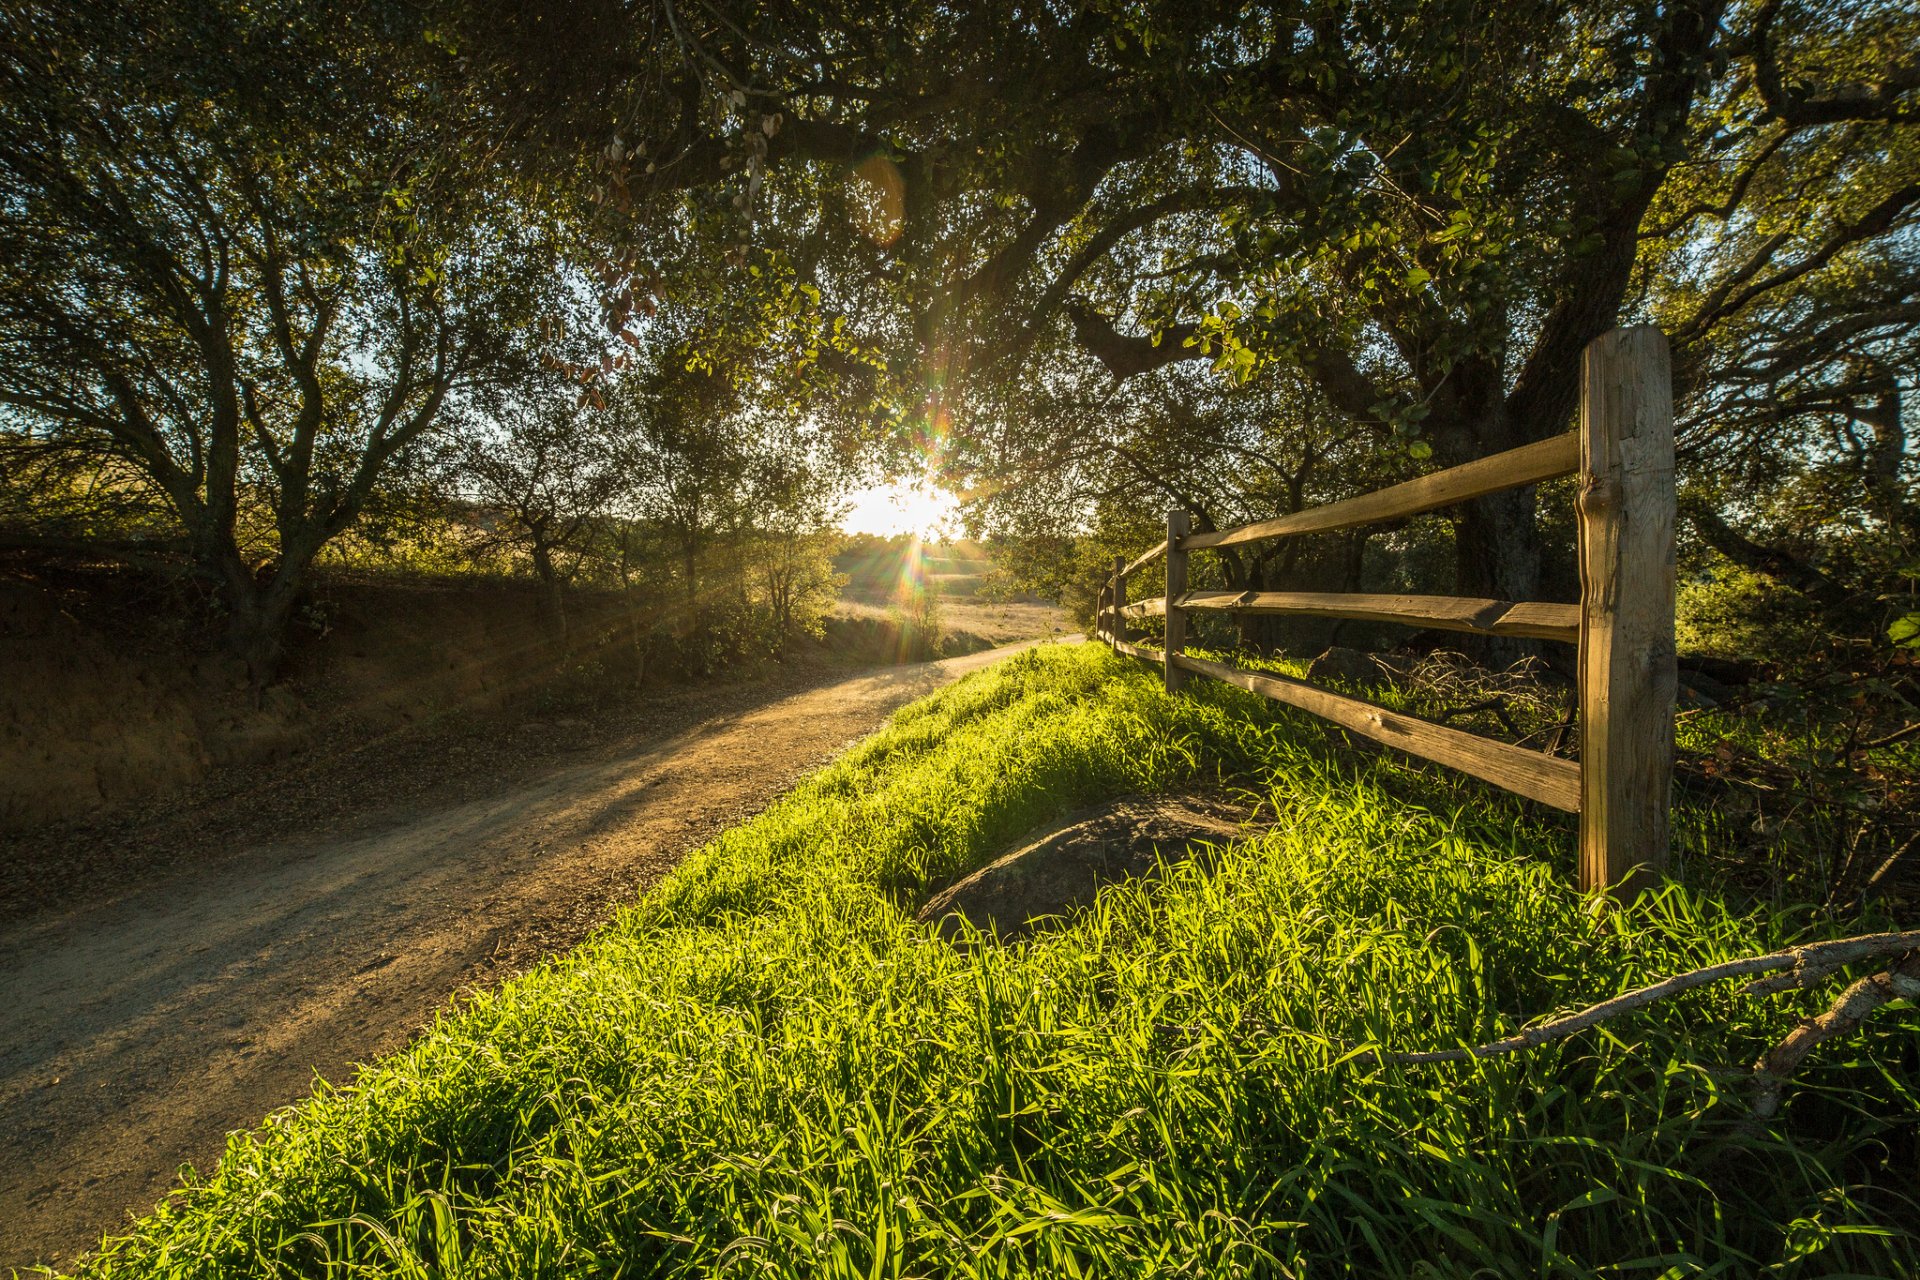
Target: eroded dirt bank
(138, 1027)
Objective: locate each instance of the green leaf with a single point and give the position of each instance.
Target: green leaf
(1905, 631)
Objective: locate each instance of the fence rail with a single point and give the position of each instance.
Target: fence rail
(1622, 453)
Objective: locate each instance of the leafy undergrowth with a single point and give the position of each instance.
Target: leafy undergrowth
(766, 1068)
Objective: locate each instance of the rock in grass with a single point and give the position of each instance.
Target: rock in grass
(1063, 867)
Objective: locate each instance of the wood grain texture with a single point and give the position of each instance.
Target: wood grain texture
(1179, 523)
(1447, 613)
(1119, 589)
(1540, 622)
(1545, 778)
(1628, 677)
(1529, 464)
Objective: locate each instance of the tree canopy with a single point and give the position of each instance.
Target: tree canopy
(1419, 214)
(1082, 263)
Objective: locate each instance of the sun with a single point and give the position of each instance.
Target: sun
(899, 506)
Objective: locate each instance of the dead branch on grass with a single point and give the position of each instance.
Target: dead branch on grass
(1795, 969)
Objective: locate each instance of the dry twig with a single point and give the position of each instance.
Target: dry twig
(1849, 1010)
(1796, 968)
(1898, 735)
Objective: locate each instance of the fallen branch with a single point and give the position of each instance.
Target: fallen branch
(1898, 735)
(1770, 1073)
(1893, 859)
(1796, 968)
(1561, 727)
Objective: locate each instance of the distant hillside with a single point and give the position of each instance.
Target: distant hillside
(876, 568)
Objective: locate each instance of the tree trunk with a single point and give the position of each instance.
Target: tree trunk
(257, 619)
(1497, 556)
(1497, 547)
(259, 601)
(1496, 538)
(553, 594)
(690, 571)
(1846, 610)
(637, 639)
(780, 605)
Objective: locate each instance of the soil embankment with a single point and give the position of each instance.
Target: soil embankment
(115, 692)
(146, 1018)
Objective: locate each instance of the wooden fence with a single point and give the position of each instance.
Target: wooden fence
(1623, 625)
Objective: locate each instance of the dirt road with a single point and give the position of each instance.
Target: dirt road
(136, 1031)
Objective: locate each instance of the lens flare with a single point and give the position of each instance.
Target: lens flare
(914, 601)
(932, 437)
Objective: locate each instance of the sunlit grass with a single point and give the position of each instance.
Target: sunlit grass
(766, 1068)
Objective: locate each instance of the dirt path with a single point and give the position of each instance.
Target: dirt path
(135, 1032)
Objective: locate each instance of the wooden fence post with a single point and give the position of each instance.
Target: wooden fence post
(1119, 597)
(1179, 524)
(1628, 678)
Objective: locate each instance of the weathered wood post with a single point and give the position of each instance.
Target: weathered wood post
(1179, 524)
(1627, 674)
(1119, 597)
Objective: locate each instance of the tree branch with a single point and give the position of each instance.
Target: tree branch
(1881, 100)
(1774, 562)
(1796, 968)
(1124, 355)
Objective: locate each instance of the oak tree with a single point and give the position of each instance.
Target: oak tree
(246, 258)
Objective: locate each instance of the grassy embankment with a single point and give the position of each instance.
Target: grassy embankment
(765, 1068)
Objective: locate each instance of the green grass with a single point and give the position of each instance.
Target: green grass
(765, 1068)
